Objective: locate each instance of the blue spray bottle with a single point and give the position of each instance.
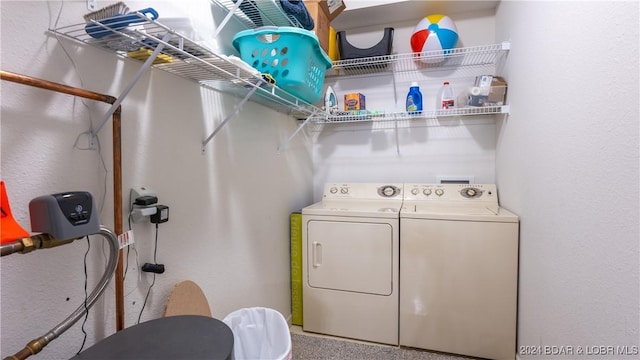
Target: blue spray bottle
(414, 99)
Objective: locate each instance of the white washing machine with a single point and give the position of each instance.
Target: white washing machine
(350, 263)
(458, 271)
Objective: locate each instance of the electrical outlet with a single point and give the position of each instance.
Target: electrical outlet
(141, 213)
(137, 192)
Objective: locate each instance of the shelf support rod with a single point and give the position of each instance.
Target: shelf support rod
(233, 113)
(286, 143)
(397, 137)
(147, 64)
(226, 18)
(395, 97)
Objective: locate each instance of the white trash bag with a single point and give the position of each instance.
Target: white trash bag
(259, 334)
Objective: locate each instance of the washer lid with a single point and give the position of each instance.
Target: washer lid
(420, 210)
(363, 208)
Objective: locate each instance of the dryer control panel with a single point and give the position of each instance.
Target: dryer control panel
(451, 192)
(362, 191)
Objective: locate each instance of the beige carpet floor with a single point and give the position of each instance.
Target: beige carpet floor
(309, 347)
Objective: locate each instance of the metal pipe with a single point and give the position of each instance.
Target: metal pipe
(34, 242)
(117, 216)
(48, 85)
(117, 165)
(36, 345)
(10, 248)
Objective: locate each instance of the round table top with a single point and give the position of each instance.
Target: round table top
(173, 337)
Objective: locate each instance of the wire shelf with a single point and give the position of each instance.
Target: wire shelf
(184, 57)
(363, 116)
(258, 13)
(425, 61)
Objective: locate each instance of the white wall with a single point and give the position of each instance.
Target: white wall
(229, 207)
(418, 151)
(567, 163)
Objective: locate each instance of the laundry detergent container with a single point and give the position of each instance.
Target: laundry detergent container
(292, 56)
(259, 333)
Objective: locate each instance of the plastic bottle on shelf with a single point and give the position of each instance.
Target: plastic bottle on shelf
(446, 97)
(414, 99)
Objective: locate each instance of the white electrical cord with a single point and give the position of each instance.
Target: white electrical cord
(137, 259)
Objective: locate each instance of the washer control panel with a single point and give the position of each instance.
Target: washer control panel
(357, 191)
(451, 192)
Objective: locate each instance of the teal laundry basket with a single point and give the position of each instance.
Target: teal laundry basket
(292, 56)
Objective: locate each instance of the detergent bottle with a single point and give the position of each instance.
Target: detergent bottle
(414, 99)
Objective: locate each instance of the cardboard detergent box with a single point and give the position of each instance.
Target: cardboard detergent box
(354, 101)
(323, 12)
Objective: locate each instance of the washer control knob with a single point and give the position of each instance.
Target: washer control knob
(388, 191)
(439, 192)
(415, 191)
(333, 190)
(344, 190)
(427, 192)
(471, 192)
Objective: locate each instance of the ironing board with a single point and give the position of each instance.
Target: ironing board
(187, 298)
(174, 337)
(187, 331)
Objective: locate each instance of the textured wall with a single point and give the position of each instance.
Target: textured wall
(567, 163)
(229, 207)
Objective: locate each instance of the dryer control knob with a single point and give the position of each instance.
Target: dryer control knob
(415, 191)
(427, 192)
(439, 192)
(471, 192)
(333, 190)
(344, 190)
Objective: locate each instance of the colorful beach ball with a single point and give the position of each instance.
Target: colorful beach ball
(434, 32)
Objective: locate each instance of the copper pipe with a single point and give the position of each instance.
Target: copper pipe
(117, 216)
(117, 166)
(48, 85)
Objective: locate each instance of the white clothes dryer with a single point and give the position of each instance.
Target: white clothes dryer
(351, 262)
(458, 271)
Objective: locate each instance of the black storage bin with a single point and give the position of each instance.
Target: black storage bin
(353, 54)
(348, 51)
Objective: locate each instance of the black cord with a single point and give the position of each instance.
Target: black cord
(155, 253)
(86, 309)
(146, 298)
